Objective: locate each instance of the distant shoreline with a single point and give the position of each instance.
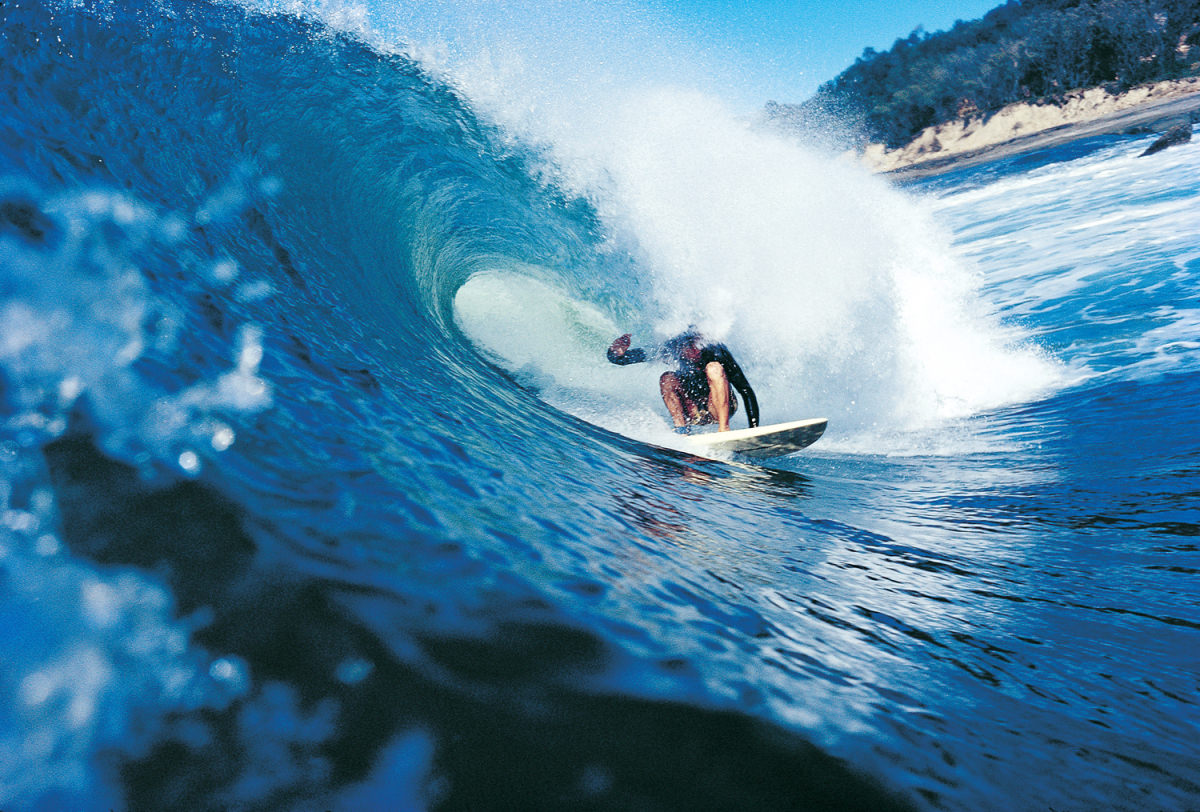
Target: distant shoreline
(1021, 128)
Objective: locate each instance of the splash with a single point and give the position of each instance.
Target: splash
(842, 295)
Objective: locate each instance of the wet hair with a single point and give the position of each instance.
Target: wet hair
(690, 336)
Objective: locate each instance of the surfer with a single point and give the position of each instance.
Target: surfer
(700, 389)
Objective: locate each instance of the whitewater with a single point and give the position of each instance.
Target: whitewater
(317, 491)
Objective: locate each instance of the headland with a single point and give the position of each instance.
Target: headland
(1026, 127)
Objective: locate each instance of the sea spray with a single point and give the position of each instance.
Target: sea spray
(841, 295)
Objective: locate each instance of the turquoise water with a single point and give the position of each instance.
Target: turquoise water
(318, 492)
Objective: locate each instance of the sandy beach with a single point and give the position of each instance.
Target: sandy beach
(1023, 127)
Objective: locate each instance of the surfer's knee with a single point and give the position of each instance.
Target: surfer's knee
(668, 380)
(714, 371)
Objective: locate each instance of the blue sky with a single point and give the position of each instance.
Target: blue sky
(746, 51)
(786, 48)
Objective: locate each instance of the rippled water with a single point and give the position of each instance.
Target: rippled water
(318, 492)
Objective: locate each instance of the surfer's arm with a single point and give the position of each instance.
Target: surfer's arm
(737, 379)
(620, 353)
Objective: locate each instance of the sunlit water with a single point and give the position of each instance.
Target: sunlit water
(318, 492)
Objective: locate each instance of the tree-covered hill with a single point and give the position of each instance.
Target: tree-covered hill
(1025, 50)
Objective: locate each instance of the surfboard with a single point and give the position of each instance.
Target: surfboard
(763, 442)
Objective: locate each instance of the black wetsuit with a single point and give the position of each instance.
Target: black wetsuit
(692, 376)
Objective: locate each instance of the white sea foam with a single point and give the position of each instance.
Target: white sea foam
(841, 295)
(1100, 249)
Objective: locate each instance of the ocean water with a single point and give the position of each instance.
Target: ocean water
(316, 491)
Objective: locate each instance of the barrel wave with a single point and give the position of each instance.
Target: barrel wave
(317, 492)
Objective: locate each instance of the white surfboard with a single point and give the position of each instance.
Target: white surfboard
(764, 441)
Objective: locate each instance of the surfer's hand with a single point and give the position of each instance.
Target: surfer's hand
(620, 345)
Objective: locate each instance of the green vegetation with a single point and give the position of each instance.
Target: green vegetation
(1025, 50)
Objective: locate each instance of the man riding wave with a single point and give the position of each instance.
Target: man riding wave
(700, 389)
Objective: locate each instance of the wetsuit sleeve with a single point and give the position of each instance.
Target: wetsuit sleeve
(737, 379)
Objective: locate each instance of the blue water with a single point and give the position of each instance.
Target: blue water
(317, 492)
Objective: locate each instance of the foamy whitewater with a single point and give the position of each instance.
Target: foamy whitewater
(317, 491)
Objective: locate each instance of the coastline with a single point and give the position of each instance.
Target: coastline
(1026, 127)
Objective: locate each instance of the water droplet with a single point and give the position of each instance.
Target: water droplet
(189, 462)
(222, 438)
(47, 545)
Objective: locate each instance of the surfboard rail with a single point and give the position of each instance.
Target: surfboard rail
(763, 442)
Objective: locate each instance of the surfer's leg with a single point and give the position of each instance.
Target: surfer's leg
(718, 394)
(683, 411)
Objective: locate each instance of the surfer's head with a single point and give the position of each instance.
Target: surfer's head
(687, 345)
